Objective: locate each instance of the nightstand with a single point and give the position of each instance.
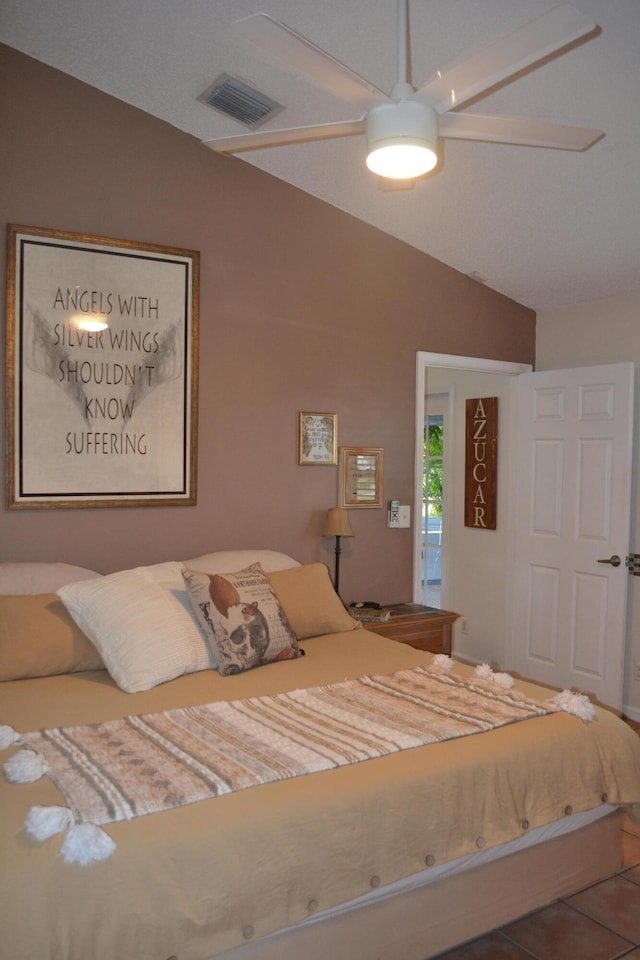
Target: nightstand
(426, 628)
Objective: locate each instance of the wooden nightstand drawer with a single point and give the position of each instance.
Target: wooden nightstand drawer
(426, 628)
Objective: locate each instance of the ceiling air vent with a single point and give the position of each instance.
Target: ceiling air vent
(237, 99)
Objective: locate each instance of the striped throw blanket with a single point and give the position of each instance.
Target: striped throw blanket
(143, 764)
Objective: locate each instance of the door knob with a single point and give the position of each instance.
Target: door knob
(615, 560)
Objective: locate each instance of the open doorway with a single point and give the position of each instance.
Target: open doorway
(443, 378)
(490, 575)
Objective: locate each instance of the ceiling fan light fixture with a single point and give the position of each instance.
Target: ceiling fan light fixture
(402, 161)
(402, 139)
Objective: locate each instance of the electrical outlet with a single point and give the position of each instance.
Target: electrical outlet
(464, 627)
(636, 669)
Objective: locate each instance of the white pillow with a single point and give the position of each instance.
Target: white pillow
(225, 560)
(168, 575)
(29, 577)
(143, 634)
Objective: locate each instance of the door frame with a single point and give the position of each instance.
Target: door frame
(473, 365)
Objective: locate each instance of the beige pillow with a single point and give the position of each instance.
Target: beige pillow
(144, 635)
(38, 638)
(244, 623)
(310, 602)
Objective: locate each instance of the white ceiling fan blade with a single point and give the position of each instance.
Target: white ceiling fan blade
(533, 42)
(295, 52)
(281, 138)
(517, 130)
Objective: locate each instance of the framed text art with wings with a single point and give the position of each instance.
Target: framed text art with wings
(102, 371)
(317, 438)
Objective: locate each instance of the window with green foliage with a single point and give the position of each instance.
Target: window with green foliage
(432, 508)
(433, 453)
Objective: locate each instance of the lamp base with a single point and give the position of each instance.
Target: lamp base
(336, 577)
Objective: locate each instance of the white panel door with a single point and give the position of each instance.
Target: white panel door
(573, 514)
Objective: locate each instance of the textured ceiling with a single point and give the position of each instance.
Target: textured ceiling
(546, 227)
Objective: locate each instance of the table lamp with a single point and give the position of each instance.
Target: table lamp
(337, 525)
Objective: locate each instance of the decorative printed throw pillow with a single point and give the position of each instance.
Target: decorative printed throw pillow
(241, 617)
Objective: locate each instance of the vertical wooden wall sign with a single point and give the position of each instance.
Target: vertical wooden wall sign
(481, 463)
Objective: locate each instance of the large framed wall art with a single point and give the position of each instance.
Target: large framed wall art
(102, 371)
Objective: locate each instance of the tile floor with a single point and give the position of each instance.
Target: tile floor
(599, 923)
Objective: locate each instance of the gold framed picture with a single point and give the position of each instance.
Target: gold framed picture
(317, 438)
(361, 476)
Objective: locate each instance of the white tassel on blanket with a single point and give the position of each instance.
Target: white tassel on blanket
(85, 843)
(25, 767)
(8, 736)
(576, 703)
(45, 822)
(484, 671)
(443, 660)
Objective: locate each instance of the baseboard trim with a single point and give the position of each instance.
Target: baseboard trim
(632, 713)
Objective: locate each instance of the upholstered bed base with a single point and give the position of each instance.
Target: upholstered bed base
(438, 844)
(422, 922)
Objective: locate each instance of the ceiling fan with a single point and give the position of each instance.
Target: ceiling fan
(403, 127)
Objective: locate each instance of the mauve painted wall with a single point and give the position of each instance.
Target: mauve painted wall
(302, 308)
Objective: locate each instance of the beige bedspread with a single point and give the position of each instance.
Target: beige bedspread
(201, 879)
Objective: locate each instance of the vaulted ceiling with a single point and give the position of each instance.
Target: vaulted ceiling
(546, 227)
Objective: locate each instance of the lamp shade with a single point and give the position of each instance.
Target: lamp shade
(337, 523)
(402, 139)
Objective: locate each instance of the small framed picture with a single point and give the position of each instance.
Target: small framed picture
(317, 438)
(360, 477)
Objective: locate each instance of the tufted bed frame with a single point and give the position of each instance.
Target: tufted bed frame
(403, 855)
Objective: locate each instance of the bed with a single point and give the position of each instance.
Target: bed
(406, 853)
